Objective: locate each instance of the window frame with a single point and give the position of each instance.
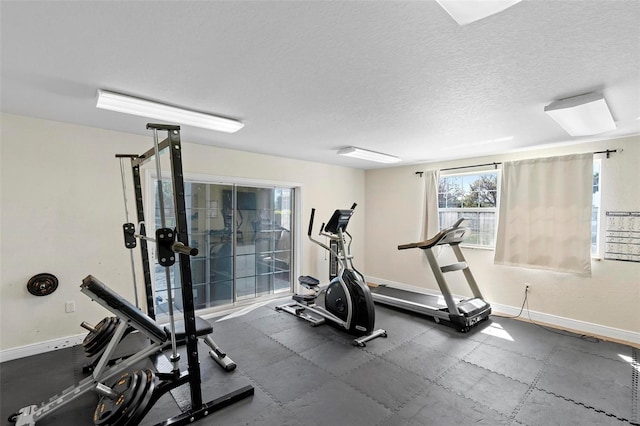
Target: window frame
(495, 210)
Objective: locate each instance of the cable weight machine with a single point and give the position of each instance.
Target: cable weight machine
(127, 390)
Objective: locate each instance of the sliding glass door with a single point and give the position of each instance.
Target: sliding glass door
(244, 238)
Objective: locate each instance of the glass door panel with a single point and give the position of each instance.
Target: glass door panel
(244, 241)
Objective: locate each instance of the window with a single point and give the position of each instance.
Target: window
(473, 196)
(244, 238)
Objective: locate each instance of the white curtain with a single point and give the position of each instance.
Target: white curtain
(431, 222)
(545, 214)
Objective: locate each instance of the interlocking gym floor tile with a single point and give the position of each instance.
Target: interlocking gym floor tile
(337, 359)
(337, 403)
(260, 352)
(448, 342)
(493, 390)
(274, 323)
(385, 382)
(231, 335)
(594, 346)
(542, 409)
(300, 339)
(438, 406)
(421, 360)
(521, 337)
(290, 378)
(399, 330)
(582, 388)
(607, 369)
(510, 364)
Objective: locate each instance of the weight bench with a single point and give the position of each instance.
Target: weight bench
(132, 343)
(130, 316)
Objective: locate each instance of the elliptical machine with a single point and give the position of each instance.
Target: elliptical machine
(347, 302)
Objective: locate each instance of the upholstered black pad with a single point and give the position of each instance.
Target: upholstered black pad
(203, 327)
(120, 306)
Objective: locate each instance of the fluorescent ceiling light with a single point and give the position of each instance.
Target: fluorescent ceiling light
(364, 154)
(143, 108)
(582, 115)
(467, 11)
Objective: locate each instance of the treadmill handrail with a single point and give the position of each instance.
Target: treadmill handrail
(452, 235)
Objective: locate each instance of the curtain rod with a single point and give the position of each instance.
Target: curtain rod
(495, 165)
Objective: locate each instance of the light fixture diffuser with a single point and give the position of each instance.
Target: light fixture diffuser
(364, 154)
(466, 11)
(582, 115)
(144, 108)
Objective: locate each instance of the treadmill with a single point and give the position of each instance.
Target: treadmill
(461, 314)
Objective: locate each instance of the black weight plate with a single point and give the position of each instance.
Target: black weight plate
(97, 335)
(135, 418)
(145, 381)
(89, 338)
(42, 284)
(103, 339)
(103, 336)
(140, 392)
(109, 410)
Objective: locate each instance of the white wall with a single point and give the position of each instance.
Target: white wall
(606, 302)
(62, 213)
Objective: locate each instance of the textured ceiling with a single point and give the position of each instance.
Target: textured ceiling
(310, 77)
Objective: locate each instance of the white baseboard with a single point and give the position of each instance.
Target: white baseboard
(587, 328)
(591, 329)
(556, 321)
(40, 348)
(65, 342)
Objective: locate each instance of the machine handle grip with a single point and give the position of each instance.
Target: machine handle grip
(180, 248)
(353, 206)
(313, 213)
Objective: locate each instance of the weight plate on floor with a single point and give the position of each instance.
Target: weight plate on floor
(134, 418)
(109, 410)
(42, 284)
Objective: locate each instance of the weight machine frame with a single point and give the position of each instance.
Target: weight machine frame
(29, 415)
(193, 376)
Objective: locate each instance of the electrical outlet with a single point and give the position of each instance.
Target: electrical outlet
(70, 306)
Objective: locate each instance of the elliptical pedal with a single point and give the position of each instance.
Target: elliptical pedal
(308, 281)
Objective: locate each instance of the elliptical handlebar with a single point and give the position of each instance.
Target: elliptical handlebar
(313, 213)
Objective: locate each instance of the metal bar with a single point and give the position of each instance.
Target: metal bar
(442, 283)
(175, 155)
(144, 250)
(143, 158)
(608, 152)
(126, 214)
(163, 223)
(467, 272)
(468, 167)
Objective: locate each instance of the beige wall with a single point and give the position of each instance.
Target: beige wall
(62, 212)
(609, 298)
